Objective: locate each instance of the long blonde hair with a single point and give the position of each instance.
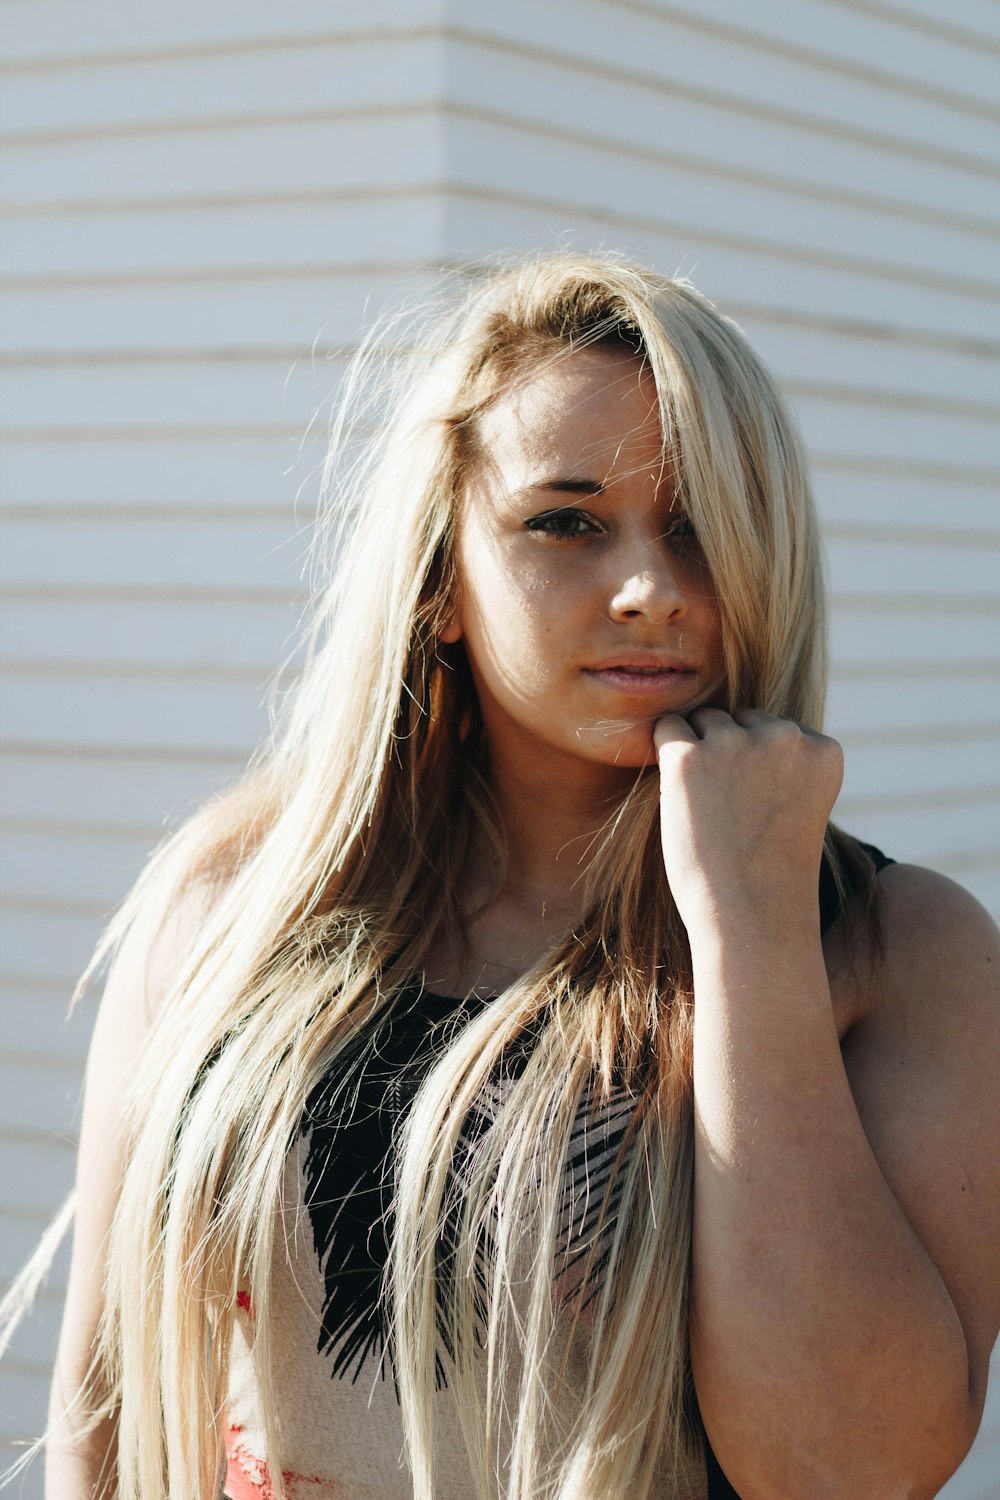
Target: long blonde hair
(333, 869)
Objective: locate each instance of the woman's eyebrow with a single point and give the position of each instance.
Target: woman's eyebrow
(562, 486)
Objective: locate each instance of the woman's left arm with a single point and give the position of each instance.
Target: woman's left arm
(847, 1201)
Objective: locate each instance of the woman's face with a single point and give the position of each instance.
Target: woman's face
(582, 597)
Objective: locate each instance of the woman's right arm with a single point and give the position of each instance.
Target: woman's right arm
(80, 1465)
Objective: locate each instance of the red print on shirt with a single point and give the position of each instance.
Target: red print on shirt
(249, 1477)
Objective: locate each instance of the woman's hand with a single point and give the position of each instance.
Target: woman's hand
(744, 804)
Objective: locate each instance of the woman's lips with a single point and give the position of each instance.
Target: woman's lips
(644, 684)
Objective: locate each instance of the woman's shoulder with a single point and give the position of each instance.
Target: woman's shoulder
(146, 962)
(927, 973)
(920, 918)
(932, 1011)
(939, 941)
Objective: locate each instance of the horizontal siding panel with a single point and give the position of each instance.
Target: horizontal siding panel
(188, 714)
(878, 639)
(35, 1174)
(17, 1241)
(373, 155)
(341, 76)
(198, 635)
(877, 775)
(204, 321)
(388, 69)
(51, 947)
(315, 238)
(51, 30)
(900, 367)
(387, 73)
(110, 791)
(768, 276)
(671, 49)
(50, 1301)
(31, 1479)
(860, 430)
(975, 21)
(849, 493)
(735, 143)
(239, 161)
(40, 1098)
(910, 566)
(39, 1023)
(889, 706)
(674, 45)
(214, 317)
(929, 834)
(185, 470)
(858, 41)
(24, 1382)
(512, 158)
(40, 865)
(23, 1398)
(263, 394)
(296, 254)
(33, 1347)
(243, 555)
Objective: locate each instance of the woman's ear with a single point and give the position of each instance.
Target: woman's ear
(451, 626)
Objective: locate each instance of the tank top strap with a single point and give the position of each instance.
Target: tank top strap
(830, 904)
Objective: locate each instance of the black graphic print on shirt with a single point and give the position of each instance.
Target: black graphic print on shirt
(351, 1127)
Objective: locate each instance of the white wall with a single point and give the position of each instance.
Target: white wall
(195, 193)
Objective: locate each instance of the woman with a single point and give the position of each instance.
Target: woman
(516, 1085)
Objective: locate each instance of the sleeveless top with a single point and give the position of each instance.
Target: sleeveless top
(331, 1363)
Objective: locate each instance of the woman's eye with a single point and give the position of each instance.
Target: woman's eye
(563, 525)
(683, 539)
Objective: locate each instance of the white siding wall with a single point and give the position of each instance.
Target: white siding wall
(195, 193)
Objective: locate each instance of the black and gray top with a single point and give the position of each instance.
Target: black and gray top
(348, 1135)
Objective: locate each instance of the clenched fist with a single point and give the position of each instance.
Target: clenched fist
(744, 804)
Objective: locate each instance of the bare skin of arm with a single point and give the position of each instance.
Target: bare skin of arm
(80, 1465)
(845, 1295)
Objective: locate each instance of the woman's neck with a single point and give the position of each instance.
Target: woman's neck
(515, 916)
(553, 825)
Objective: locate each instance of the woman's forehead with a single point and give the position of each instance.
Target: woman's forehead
(589, 414)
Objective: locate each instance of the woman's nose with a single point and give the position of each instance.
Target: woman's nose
(649, 587)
